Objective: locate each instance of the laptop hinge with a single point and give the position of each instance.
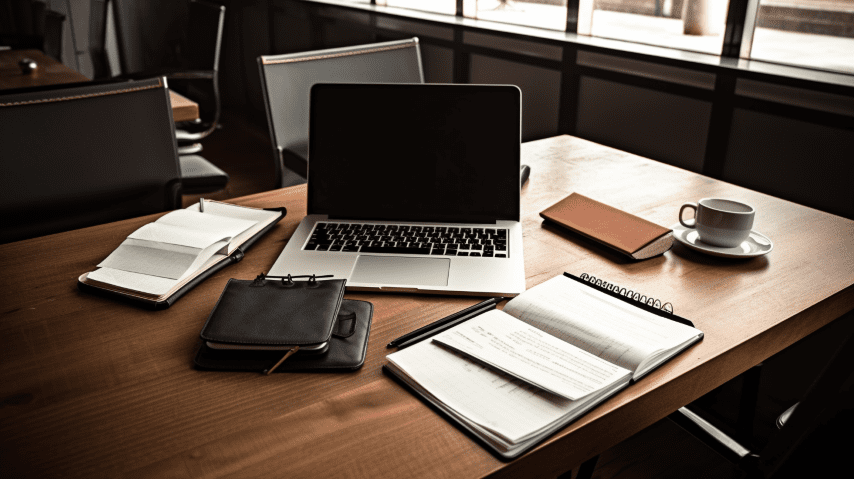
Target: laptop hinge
(383, 220)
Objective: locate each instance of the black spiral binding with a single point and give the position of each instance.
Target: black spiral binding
(633, 295)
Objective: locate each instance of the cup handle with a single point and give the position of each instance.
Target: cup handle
(693, 222)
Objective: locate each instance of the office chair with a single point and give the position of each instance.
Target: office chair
(287, 79)
(200, 61)
(195, 73)
(85, 155)
(832, 392)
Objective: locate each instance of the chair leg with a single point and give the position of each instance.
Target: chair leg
(585, 471)
(747, 405)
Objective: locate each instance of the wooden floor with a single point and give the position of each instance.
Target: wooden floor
(242, 149)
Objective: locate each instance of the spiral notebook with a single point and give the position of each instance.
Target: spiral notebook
(514, 377)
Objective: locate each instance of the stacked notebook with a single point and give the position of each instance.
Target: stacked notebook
(157, 263)
(290, 323)
(514, 377)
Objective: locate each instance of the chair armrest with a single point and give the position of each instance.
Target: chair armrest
(713, 437)
(170, 74)
(192, 75)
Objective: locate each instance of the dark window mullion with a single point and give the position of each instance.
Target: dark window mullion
(462, 59)
(736, 18)
(570, 85)
(572, 16)
(720, 122)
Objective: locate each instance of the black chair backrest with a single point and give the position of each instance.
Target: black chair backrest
(200, 50)
(53, 22)
(204, 36)
(286, 81)
(98, 39)
(145, 41)
(85, 155)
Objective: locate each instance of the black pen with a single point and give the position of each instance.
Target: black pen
(448, 320)
(443, 327)
(442, 321)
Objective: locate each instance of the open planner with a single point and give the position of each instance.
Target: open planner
(514, 377)
(157, 263)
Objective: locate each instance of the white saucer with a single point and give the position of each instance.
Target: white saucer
(756, 244)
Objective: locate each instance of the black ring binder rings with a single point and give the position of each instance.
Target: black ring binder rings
(287, 280)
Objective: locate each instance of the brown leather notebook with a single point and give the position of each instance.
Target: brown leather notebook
(624, 232)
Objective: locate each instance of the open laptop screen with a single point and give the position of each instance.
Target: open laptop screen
(400, 152)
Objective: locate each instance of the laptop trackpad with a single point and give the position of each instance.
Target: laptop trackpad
(391, 270)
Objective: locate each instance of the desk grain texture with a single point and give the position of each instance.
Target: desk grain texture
(93, 387)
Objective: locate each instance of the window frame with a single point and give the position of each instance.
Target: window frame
(737, 43)
(737, 37)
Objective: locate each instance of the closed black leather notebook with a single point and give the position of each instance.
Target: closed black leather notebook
(255, 322)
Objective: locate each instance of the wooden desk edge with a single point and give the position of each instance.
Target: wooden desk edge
(675, 393)
(183, 109)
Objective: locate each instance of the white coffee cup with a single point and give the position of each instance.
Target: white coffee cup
(720, 222)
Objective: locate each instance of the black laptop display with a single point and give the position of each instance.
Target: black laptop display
(444, 153)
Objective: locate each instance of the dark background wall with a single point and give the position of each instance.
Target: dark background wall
(787, 136)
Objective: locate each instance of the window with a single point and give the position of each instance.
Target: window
(811, 33)
(808, 33)
(696, 25)
(437, 6)
(550, 14)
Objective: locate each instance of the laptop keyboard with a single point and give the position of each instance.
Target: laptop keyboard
(408, 239)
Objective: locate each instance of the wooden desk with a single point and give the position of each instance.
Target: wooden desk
(92, 387)
(52, 72)
(183, 109)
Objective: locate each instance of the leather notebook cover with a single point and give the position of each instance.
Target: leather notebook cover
(265, 312)
(347, 348)
(624, 232)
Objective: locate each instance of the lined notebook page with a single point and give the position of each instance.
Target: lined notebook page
(507, 407)
(177, 235)
(597, 323)
(235, 211)
(527, 353)
(143, 283)
(261, 218)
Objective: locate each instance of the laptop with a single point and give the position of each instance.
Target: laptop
(413, 188)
